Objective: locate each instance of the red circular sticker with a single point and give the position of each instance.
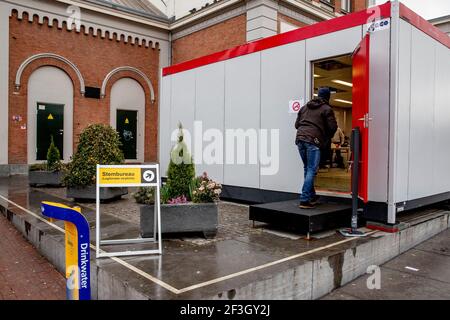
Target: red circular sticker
(296, 106)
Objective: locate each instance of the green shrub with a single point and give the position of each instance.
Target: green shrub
(165, 194)
(53, 162)
(194, 185)
(181, 169)
(38, 167)
(99, 144)
(145, 195)
(53, 157)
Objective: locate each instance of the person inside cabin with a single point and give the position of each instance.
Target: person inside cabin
(337, 141)
(316, 125)
(326, 154)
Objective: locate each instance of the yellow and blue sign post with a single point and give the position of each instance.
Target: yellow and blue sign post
(77, 248)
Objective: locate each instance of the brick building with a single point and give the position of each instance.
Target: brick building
(67, 64)
(226, 24)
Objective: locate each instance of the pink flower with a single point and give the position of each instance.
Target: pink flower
(178, 200)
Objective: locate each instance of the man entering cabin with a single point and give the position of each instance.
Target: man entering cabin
(316, 124)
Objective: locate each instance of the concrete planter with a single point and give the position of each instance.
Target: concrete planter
(181, 218)
(46, 178)
(88, 194)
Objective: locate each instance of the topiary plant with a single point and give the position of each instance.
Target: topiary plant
(53, 157)
(181, 169)
(99, 144)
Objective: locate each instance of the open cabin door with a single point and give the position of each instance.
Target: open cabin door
(361, 119)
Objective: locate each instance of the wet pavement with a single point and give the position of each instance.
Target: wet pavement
(24, 273)
(241, 257)
(422, 273)
(233, 218)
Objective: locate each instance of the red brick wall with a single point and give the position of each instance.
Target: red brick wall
(359, 5)
(95, 58)
(216, 38)
(337, 6)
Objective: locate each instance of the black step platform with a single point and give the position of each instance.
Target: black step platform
(287, 214)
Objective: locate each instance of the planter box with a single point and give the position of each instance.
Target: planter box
(181, 218)
(46, 178)
(88, 194)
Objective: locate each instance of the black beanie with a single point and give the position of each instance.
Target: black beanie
(325, 93)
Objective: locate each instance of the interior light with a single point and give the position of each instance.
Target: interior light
(316, 76)
(344, 83)
(343, 101)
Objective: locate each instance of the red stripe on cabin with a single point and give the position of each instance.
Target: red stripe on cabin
(315, 30)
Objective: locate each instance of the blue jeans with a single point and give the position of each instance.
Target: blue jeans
(310, 155)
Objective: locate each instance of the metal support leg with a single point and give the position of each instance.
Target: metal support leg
(356, 151)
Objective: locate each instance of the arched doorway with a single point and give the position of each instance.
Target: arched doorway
(50, 113)
(128, 117)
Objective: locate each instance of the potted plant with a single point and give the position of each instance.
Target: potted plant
(99, 144)
(188, 204)
(49, 174)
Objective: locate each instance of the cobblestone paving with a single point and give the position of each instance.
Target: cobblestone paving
(24, 273)
(233, 223)
(233, 218)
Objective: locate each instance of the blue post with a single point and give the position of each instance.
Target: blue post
(78, 266)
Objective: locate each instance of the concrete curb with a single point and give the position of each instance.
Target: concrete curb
(7, 170)
(318, 277)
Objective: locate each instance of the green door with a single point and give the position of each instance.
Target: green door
(127, 128)
(50, 122)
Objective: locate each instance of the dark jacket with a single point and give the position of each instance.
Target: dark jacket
(316, 123)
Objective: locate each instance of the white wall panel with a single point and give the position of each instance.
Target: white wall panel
(441, 159)
(422, 115)
(164, 123)
(401, 183)
(283, 79)
(379, 112)
(182, 105)
(330, 45)
(242, 111)
(210, 103)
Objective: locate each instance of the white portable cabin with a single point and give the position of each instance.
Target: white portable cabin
(401, 102)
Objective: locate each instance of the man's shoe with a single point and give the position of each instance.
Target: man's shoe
(306, 205)
(315, 200)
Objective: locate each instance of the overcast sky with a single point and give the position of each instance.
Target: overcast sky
(428, 9)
